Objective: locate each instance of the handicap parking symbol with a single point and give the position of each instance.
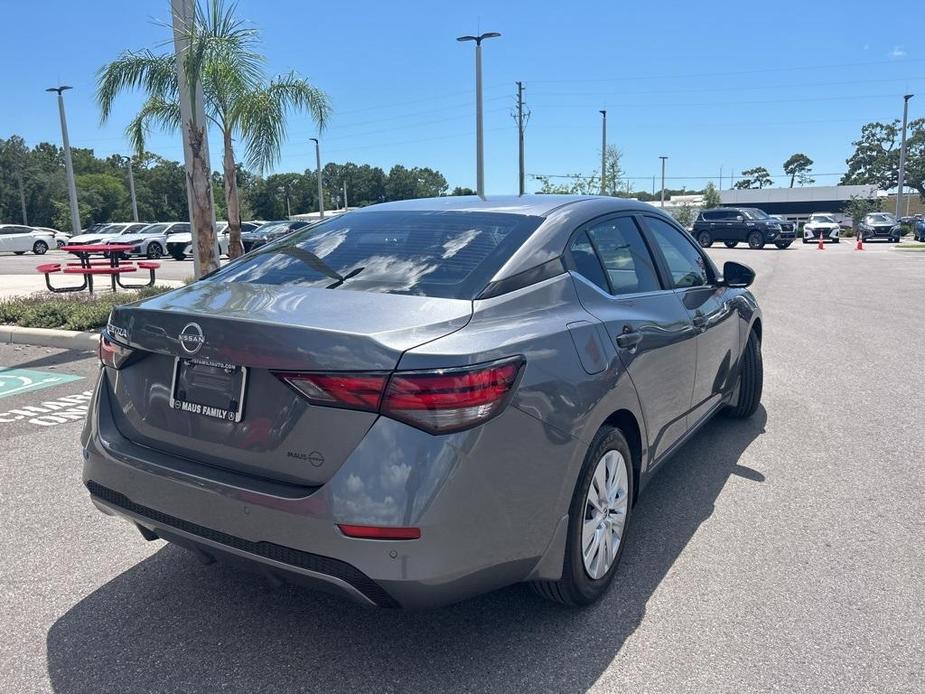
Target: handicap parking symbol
(15, 381)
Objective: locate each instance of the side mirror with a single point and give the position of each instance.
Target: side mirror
(736, 275)
(740, 218)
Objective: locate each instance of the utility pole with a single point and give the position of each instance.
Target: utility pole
(195, 145)
(22, 198)
(345, 195)
(663, 179)
(902, 158)
(521, 118)
(479, 140)
(603, 152)
(68, 164)
(318, 174)
(131, 190)
(720, 178)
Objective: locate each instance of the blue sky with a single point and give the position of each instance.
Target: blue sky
(711, 85)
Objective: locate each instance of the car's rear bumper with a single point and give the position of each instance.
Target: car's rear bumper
(489, 517)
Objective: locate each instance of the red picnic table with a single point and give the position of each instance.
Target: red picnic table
(87, 268)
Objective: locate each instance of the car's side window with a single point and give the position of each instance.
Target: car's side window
(686, 263)
(586, 262)
(624, 255)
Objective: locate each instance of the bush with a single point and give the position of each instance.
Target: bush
(68, 312)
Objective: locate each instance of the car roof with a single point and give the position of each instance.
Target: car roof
(533, 205)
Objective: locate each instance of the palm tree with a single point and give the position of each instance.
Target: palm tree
(238, 99)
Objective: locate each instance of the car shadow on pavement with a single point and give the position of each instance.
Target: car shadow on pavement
(170, 624)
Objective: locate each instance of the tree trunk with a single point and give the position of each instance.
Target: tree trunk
(201, 184)
(232, 203)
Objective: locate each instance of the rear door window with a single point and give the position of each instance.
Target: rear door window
(623, 253)
(450, 255)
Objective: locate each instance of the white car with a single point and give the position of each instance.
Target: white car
(181, 245)
(60, 237)
(18, 239)
(100, 233)
(152, 240)
(821, 224)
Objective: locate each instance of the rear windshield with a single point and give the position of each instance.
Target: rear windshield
(450, 255)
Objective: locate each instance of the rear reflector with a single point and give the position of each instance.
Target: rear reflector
(372, 532)
(438, 401)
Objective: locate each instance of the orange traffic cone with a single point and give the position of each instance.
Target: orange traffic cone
(860, 244)
(821, 246)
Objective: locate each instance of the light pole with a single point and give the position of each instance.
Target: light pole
(663, 179)
(902, 158)
(285, 191)
(68, 164)
(479, 144)
(318, 174)
(603, 152)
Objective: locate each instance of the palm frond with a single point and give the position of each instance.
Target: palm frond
(155, 74)
(155, 112)
(261, 116)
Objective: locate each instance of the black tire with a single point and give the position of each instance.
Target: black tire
(154, 251)
(756, 240)
(805, 241)
(19, 252)
(751, 380)
(177, 255)
(40, 248)
(576, 588)
(731, 244)
(783, 244)
(59, 243)
(836, 240)
(705, 239)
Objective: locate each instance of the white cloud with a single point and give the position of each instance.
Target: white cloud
(897, 52)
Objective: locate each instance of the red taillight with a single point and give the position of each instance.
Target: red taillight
(112, 353)
(437, 401)
(356, 391)
(450, 399)
(376, 532)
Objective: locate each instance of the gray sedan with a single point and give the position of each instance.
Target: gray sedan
(421, 401)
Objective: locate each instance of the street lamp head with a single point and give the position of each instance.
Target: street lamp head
(908, 96)
(603, 112)
(663, 157)
(314, 139)
(481, 37)
(60, 89)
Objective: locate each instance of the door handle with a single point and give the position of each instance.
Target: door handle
(629, 338)
(699, 321)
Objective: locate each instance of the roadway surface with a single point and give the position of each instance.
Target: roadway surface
(784, 553)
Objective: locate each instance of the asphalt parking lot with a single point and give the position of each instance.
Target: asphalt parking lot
(783, 553)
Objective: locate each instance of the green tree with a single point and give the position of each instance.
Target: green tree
(757, 177)
(711, 197)
(460, 190)
(798, 167)
(417, 182)
(876, 156)
(613, 182)
(685, 214)
(238, 99)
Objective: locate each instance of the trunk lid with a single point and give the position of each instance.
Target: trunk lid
(264, 328)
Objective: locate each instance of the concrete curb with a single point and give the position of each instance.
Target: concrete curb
(45, 337)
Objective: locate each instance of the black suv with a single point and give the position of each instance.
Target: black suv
(734, 224)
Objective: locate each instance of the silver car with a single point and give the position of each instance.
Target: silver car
(421, 401)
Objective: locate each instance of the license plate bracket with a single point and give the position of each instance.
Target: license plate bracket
(209, 389)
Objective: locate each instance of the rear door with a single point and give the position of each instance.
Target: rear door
(694, 281)
(617, 282)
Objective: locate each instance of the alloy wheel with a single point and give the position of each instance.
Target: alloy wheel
(605, 514)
